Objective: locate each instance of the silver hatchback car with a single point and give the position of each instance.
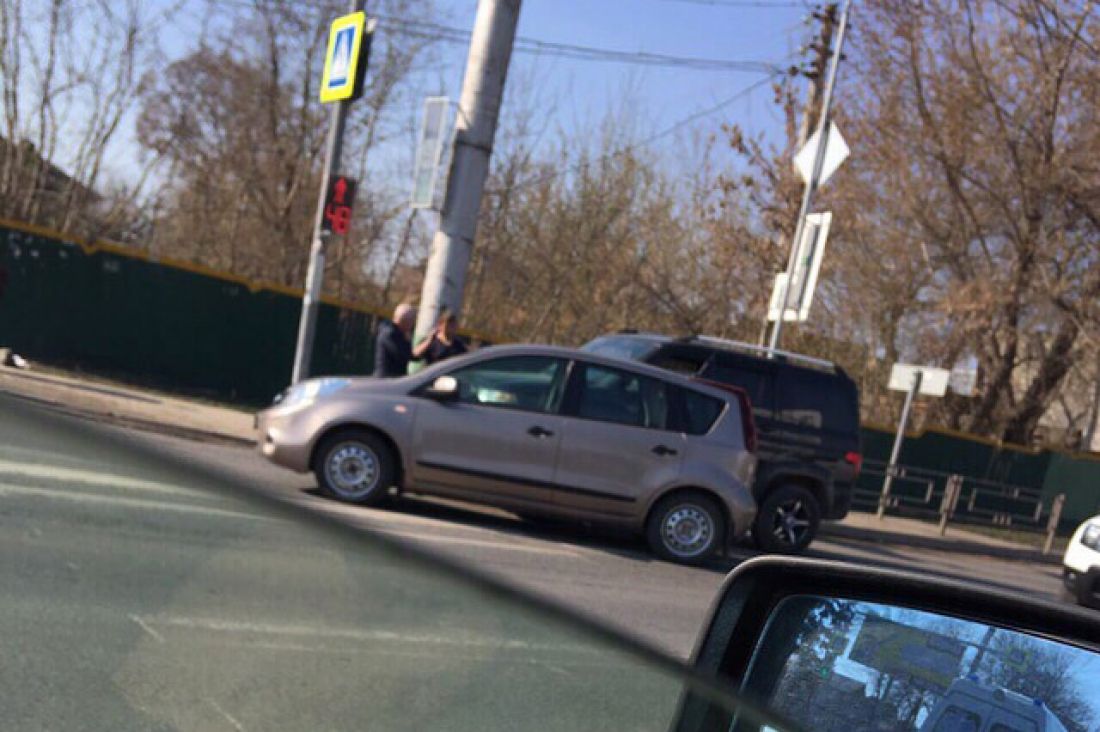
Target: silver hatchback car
(538, 430)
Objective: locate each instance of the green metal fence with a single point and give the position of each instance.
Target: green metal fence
(988, 463)
(104, 309)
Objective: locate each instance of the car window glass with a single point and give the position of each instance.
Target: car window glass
(611, 395)
(755, 382)
(687, 361)
(700, 411)
(625, 347)
(955, 719)
(814, 399)
(1023, 725)
(511, 382)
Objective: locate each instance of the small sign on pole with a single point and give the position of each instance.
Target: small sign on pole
(429, 152)
(836, 152)
(338, 202)
(933, 381)
(346, 57)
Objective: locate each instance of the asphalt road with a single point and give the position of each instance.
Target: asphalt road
(139, 596)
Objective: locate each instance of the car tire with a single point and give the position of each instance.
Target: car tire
(686, 527)
(787, 520)
(356, 466)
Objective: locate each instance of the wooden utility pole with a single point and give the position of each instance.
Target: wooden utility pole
(816, 72)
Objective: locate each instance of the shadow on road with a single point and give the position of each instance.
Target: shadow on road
(627, 545)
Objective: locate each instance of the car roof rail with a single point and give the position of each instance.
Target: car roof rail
(788, 356)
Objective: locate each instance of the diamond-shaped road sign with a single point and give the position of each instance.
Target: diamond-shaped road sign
(836, 153)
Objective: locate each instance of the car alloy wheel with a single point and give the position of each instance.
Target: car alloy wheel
(791, 522)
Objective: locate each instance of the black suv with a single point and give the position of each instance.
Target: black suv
(807, 416)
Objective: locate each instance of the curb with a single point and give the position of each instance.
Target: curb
(145, 425)
(958, 546)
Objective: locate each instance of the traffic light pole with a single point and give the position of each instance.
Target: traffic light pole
(315, 274)
(815, 175)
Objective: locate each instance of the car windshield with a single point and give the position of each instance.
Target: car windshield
(140, 594)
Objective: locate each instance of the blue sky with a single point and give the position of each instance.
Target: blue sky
(577, 94)
(583, 90)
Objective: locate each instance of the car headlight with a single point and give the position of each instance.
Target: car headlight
(1091, 536)
(310, 391)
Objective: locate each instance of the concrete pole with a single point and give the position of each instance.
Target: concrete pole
(898, 439)
(815, 176)
(478, 112)
(315, 274)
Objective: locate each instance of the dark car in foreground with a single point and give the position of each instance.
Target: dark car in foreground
(807, 417)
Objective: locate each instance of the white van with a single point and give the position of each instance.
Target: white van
(969, 706)
(1081, 564)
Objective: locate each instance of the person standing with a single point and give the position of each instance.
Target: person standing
(444, 342)
(392, 348)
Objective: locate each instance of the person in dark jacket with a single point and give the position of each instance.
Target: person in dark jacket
(392, 348)
(443, 342)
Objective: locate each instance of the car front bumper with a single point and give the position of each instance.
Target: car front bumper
(1083, 587)
(284, 438)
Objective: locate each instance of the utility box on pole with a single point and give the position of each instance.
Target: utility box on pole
(475, 128)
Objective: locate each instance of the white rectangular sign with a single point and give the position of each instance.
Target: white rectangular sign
(933, 381)
(791, 314)
(429, 152)
(807, 263)
(807, 266)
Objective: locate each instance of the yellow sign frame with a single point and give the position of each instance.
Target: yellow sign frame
(345, 89)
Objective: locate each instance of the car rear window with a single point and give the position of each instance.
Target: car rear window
(757, 383)
(815, 399)
(700, 412)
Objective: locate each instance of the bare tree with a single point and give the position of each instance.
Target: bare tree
(63, 111)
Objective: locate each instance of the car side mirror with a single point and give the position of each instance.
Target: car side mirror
(444, 388)
(831, 646)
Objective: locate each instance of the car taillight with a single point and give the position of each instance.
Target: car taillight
(854, 459)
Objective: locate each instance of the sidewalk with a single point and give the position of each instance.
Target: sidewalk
(129, 406)
(156, 412)
(895, 530)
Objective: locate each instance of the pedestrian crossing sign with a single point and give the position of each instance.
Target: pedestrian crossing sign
(345, 59)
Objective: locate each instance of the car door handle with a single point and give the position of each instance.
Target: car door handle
(663, 450)
(538, 431)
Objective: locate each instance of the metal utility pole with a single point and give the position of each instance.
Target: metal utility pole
(478, 112)
(892, 467)
(315, 274)
(814, 89)
(815, 176)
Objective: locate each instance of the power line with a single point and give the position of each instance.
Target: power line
(671, 129)
(428, 30)
(435, 31)
(780, 4)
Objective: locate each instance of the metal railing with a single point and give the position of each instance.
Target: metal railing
(953, 498)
